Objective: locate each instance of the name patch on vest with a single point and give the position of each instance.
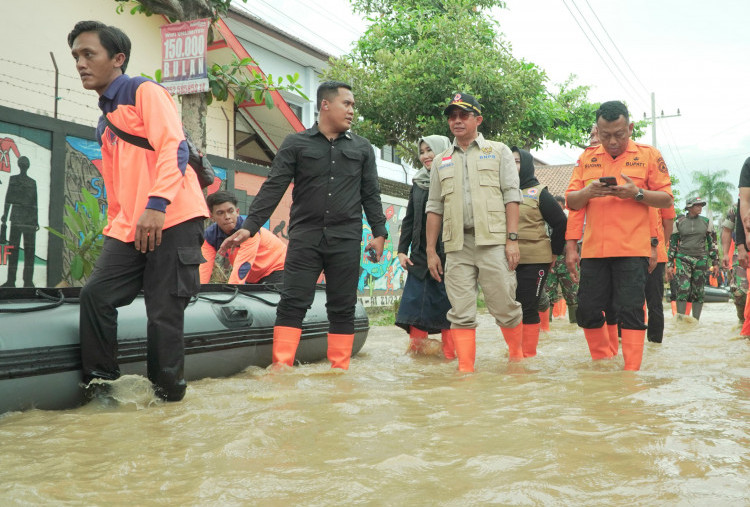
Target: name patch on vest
(483, 157)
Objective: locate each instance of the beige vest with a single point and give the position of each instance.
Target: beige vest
(484, 162)
(533, 241)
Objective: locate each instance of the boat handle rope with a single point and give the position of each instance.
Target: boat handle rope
(54, 304)
(219, 301)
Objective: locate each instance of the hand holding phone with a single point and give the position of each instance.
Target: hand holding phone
(609, 181)
(372, 255)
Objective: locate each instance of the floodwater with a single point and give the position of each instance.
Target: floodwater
(401, 430)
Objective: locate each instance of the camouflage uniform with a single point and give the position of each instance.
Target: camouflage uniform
(691, 273)
(738, 284)
(559, 275)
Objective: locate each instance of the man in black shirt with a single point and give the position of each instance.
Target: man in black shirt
(335, 177)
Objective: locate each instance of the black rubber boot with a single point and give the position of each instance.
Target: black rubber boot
(572, 314)
(697, 309)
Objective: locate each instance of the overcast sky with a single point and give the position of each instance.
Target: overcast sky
(693, 55)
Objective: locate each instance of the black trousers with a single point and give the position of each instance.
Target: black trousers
(168, 277)
(531, 280)
(339, 260)
(654, 302)
(29, 252)
(619, 279)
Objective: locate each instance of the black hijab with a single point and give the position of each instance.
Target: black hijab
(526, 175)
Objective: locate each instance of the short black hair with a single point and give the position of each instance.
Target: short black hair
(329, 89)
(612, 110)
(220, 197)
(112, 38)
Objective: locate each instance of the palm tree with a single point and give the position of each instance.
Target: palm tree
(715, 190)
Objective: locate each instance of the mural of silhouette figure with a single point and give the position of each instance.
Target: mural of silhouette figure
(21, 202)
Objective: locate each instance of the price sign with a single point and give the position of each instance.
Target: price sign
(183, 55)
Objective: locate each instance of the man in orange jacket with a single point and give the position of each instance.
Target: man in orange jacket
(155, 216)
(615, 183)
(260, 259)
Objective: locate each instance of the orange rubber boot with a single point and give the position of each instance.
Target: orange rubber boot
(465, 341)
(544, 321)
(285, 342)
(598, 340)
(632, 348)
(416, 339)
(746, 323)
(674, 308)
(449, 348)
(340, 350)
(530, 339)
(514, 338)
(614, 340)
(688, 308)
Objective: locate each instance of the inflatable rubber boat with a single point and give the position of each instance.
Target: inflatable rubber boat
(227, 329)
(710, 294)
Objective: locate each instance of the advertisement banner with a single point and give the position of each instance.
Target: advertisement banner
(183, 55)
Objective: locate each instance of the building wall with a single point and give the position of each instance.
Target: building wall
(27, 78)
(64, 159)
(64, 156)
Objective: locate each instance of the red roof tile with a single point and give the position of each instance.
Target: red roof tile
(555, 177)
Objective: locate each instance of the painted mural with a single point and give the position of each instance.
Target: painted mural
(25, 169)
(279, 221)
(25, 173)
(380, 283)
(82, 162)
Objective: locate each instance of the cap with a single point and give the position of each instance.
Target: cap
(692, 201)
(464, 101)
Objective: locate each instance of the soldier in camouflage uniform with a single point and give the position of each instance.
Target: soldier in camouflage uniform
(559, 280)
(691, 246)
(738, 285)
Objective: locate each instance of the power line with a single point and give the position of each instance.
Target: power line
(303, 26)
(595, 48)
(635, 74)
(624, 76)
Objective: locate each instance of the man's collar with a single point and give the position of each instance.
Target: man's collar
(113, 88)
(316, 130)
(480, 140)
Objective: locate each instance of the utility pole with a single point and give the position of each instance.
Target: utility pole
(653, 118)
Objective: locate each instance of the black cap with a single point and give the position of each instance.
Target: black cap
(464, 101)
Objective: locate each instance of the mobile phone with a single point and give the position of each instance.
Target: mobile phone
(372, 255)
(609, 181)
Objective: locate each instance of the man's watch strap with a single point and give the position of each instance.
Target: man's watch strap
(513, 236)
(654, 241)
(639, 196)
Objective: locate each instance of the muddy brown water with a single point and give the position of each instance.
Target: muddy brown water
(402, 430)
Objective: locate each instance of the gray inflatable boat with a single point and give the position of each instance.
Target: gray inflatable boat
(227, 329)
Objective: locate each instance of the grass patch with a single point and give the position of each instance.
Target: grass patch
(386, 315)
(382, 315)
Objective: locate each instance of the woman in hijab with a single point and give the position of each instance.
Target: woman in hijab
(424, 302)
(538, 211)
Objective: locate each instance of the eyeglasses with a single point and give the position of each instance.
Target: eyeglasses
(460, 113)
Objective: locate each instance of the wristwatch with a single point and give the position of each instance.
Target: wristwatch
(513, 236)
(654, 241)
(639, 195)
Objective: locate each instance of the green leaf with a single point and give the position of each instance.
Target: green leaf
(76, 267)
